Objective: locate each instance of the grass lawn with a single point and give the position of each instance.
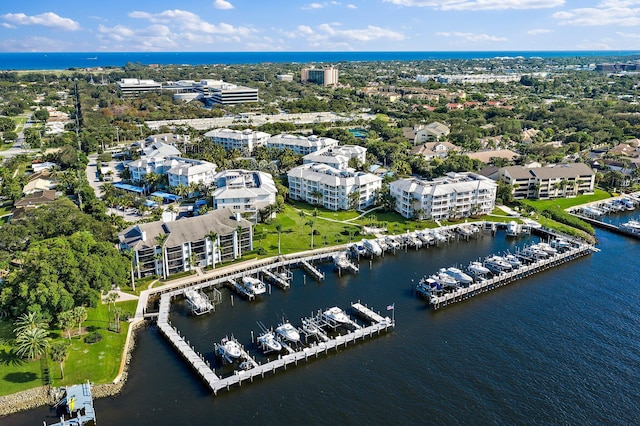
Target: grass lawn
(5, 146)
(565, 203)
(20, 121)
(98, 362)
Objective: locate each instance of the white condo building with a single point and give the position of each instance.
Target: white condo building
(332, 188)
(452, 196)
(301, 145)
(178, 170)
(244, 191)
(243, 140)
(337, 157)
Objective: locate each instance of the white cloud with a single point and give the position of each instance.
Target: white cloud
(35, 44)
(48, 19)
(607, 12)
(152, 38)
(538, 31)
(633, 36)
(190, 22)
(352, 6)
(363, 35)
(332, 36)
(479, 4)
(222, 4)
(6, 25)
(471, 37)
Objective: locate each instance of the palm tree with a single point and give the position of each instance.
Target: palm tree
(181, 189)
(117, 314)
(32, 343)
(29, 321)
(79, 316)
(311, 224)
(66, 322)
(317, 196)
(279, 231)
(213, 237)
(110, 299)
(239, 236)
(160, 240)
(58, 353)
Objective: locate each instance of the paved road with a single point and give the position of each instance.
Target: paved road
(16, 148)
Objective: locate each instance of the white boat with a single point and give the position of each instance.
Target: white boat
(372, 247)
(513, 261)
(229, 349)
(546, 248)
(341, 260)
(269, 342)
(512, 229)
(560, 244)
(358, 249)
(199, 302)
(288, 332)
(445, 280)
(458, 275)
(497, 264)
(425, 237)
(477, 269)
(336, 314)
(254, 286)
(464, 230)
(383, 245)
(392, 243)
(534, 252)
(440, 236)
(310, 327)
(632, 227)
(428, 286)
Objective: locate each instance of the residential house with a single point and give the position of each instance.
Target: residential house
(32, 201)
(430, 150)
(452, 196)
(332, 188)
(426, 133)
(244, 191)
(553, 181)
(167, 248)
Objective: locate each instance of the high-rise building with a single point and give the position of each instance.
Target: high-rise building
(327, 76)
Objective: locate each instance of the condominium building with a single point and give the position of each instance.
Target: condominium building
(558, 180)
(332, 188)
(243, 140)
(244, 191)
(134, 86)
(301, 145)
(178, 170)
(452, 196)
(167, 248)
(337, 157)
(327, 76)
(222, 93)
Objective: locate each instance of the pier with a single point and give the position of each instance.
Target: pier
(505, 278)
(608, 226)
(315, 273)
(276, 279)
(377, 325)
(240, 289)
(78, 401)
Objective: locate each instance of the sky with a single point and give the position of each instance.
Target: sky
(293, 25)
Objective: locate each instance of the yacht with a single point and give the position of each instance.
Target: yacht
(254, 286)
(229, 349)
(534, 252)
(392, 243)
(632, 227)
(269, 342)
(427, 286)
(288, 332)
(337, 315)
(545, 247)
(358, 249)
(560, 244)
(513, 261)
(445, 280)
(372, 247)
(341, 260)
(512, 229)
(310, 327)
(477, 269)
(497, 264)
(458, 275)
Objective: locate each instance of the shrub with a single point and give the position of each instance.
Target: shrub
(559, 215)
(94, 337)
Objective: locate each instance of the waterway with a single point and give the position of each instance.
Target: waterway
(560, 347)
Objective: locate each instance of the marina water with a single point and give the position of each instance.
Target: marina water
(560, 347)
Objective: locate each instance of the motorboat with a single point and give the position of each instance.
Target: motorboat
(477, 269)
(545, 247)
(392, 243)
(534, 252)
(458, 275)
(341, 260)
(464, 230)
(440, 236)
(513, 261)
(425, 237)
(445, 280)
(310, 327)
(632, 227)
(254, 286)
(512, 229)
(198, 301)
(560, 244)
(288, 332)
(337, 315)
(428, 286)
(358, 249)
(497, 264)
(269, 342)
(372, 247)
(382, 243)
(229, 349)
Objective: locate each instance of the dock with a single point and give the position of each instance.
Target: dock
(608, 226)
(240, 289)
(366, 313)
(312, 270)
(276, 279)
(255, 370)
(78, 401)
(505, 278)
(198, 302)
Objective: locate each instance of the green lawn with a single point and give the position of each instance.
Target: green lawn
(20, 121)
(98, 362)
(565, 203)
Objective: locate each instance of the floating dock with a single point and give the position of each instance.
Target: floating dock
(78, 401)
(377, 325)
(505, 278)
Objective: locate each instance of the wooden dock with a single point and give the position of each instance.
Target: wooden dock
(505, 278)
(276, 279)
(312, 351)
(315, 273)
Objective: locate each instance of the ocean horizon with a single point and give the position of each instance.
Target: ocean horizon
(68, 60)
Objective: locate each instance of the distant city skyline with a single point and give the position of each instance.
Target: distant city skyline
(292, 25)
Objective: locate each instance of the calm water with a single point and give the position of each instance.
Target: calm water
(562, 347)
(64, 60)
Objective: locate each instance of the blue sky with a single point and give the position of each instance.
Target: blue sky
(292, 25)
